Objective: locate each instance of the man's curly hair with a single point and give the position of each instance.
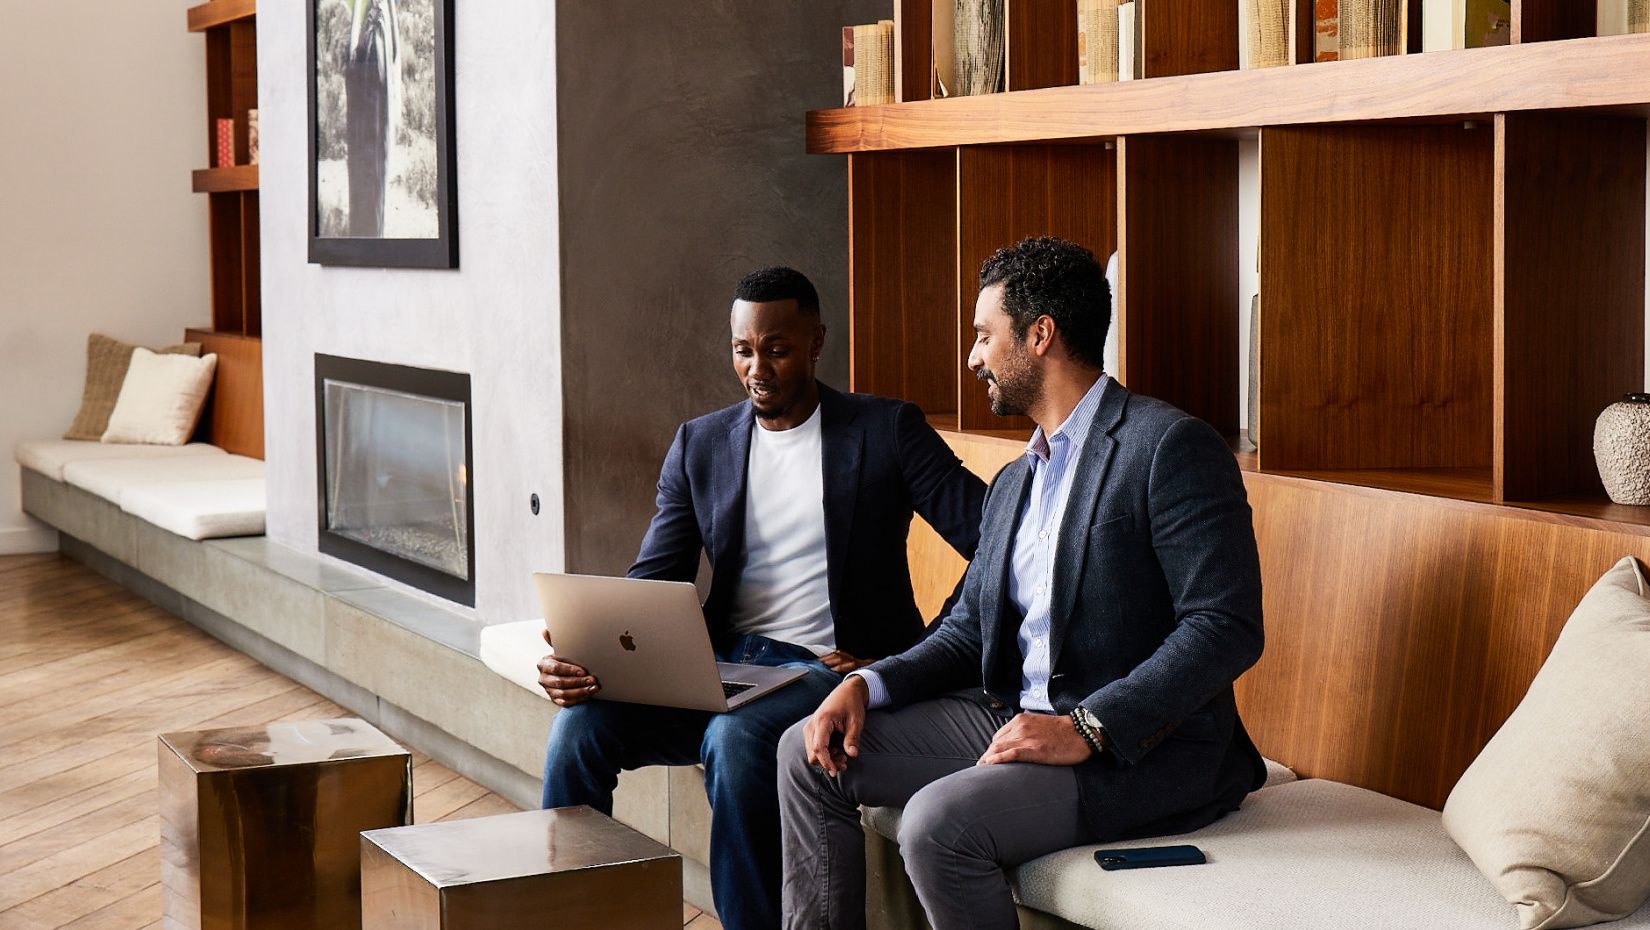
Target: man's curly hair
(1048, 276)
(779, 283)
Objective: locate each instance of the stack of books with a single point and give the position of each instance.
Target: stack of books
(1106, 40)
(868, 64)
(1619, 17)
(1266, 33)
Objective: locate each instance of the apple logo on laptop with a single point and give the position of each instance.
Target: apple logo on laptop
(628, 642)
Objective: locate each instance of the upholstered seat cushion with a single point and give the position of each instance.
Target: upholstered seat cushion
(110, 478)
(200, 509)
(50, 456)
(1307, 854)
(513, 650)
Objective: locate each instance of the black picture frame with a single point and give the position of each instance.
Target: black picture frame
(369, 252)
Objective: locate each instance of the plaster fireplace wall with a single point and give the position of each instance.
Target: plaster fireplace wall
(496, 318)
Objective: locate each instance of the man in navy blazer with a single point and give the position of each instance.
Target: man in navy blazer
(801, 498)
(1081, 689)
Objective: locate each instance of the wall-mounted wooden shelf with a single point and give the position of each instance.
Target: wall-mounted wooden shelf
(1594, 73)
(216, 13)
(225, 180)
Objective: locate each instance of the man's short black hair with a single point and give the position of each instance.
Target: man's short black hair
(779, 283)
(1048, 276)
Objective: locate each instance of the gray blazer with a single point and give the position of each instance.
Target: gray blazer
(1157, 610)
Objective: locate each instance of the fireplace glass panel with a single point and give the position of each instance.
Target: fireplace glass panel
(395, 474)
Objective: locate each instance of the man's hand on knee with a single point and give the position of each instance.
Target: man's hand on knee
(1043, 739)
(842, 711)
(565, 683)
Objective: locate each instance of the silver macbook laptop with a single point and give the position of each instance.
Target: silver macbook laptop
(646, 642)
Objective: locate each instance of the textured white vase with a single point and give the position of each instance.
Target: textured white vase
(1621, 446)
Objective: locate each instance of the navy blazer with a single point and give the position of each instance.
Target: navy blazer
(882, 461)
(1156, 611)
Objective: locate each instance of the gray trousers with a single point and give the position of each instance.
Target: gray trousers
(963, 825)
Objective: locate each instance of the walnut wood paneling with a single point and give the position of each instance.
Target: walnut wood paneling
(219, 88)
(219, 180)
(1178, 273)
(252, 323)
(1180, 37)
(1402, 630)
(1009, 193)
(1041, 43)
(1546, 20)
(228, 262)
(913, 49)
(1603, 72)
(234, 415)
(243, 82)
(1377, 297)
(902, 259)
(1570, 280)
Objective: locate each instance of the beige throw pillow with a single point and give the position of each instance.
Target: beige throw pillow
(161, 399)
(106, 362)
(1556, 809)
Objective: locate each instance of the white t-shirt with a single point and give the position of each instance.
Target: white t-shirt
(783, 592)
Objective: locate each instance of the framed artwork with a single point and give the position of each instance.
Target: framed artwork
(382, 184)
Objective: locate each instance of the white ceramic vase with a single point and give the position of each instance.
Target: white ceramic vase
(1621, 446)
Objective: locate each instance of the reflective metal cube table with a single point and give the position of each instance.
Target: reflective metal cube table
(260, 826)
(570, 868)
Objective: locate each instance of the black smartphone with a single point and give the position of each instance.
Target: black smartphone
(1148, 857)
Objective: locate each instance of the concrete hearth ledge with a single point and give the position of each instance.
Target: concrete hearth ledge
(408, 666)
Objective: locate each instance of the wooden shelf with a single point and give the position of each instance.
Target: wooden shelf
(217, 13)
(1592, 73)
(224, 180)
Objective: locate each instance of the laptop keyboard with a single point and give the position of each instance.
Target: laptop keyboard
(731, 688)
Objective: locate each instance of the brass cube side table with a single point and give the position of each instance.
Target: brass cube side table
(260, 825)
(516, 870)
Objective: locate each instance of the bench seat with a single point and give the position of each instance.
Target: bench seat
(51, 456)
(1310, 854)
(110, 479)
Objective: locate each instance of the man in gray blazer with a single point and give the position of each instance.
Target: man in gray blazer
(1081, 690)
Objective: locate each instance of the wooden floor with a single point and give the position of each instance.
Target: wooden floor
(89, 674)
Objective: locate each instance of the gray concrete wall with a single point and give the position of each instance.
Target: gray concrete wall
(682, 168)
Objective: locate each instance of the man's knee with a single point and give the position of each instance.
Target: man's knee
(937, 819)
(581, 732)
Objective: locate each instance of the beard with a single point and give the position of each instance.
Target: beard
(1019, 385)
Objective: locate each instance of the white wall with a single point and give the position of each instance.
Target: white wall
(103, 107)
(497, 317)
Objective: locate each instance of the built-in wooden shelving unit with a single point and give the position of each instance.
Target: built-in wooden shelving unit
(234, 417)
(1452, 247)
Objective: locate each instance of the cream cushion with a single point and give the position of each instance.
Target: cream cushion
(110, 478)
(200, 509)
(51, 456)
(106, 363)
(1556, 809)
(513, 651)
(1311, 854)
(161, 399)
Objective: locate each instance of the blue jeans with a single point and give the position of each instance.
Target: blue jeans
(591, 743)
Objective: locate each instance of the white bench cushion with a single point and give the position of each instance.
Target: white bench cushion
(50, 456)
(201, 509)
(1310, 854)
(513, 650)
(111, 478)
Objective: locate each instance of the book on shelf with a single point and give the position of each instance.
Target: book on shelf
(1373, 28)
(979, 35)
(943, 33)
(847, 66)
(1620, 17)
(1453, 24)
(1326, 30)
(874, 64)
(1128, 41)
(1096, 41)
(1266, 33)
(225, 138)
(252, 137)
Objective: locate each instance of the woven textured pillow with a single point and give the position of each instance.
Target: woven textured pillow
(161, 400)
(106, 363)
(1556, 810)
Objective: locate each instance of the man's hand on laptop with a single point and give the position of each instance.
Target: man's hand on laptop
(566, 684)
(842, 711)
(841, 662)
